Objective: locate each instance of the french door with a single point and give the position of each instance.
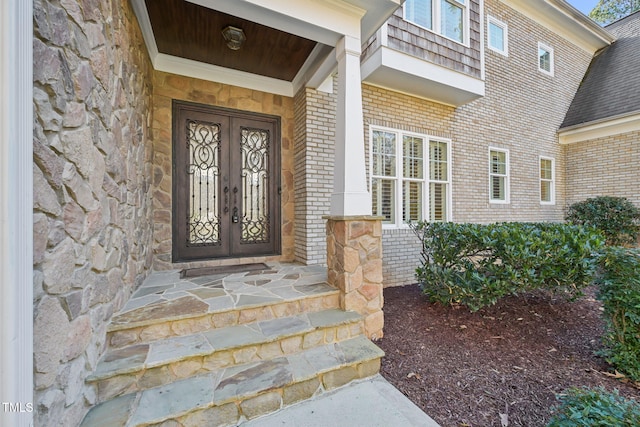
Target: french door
(226, 183)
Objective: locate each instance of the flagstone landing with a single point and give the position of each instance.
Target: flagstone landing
(166, 305)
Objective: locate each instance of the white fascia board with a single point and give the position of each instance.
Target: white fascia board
(140, 9)
(408, 74)
(318, 67)
(213, 73)
(600, 129)
(566, 21)
(322, 21)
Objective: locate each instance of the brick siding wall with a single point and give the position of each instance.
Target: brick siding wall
(604, 167)
(314, 151)
(521, 112)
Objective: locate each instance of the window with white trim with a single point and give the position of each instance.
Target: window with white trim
(497, 35)
(449, 18)
(498, 175)
(410, 176)
(547, 180)
(545, 58)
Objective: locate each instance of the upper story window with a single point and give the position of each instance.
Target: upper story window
(498, 175)
(545, 58)
(446, 17)
(497, 35)
(547, 181)
(410, 177)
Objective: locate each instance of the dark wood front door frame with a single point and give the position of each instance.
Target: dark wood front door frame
(230, 202)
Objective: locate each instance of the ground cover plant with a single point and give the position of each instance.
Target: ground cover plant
(475, 264)
(595, 407)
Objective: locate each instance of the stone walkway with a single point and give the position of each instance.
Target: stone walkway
(165, 296)
(222, 349)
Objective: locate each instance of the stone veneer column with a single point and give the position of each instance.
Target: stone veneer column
(354, 259)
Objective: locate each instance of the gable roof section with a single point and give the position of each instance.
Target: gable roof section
(611, 86)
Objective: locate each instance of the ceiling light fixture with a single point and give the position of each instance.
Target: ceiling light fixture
(234, 37)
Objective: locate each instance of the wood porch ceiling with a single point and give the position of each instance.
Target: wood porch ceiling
(190, 31)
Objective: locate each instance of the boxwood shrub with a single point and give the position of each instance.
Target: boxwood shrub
(616, 217)
(618, 283)
(475, 265)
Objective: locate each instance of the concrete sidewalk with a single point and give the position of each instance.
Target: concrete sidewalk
(367, 403)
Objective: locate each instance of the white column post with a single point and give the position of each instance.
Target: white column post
(350, 195)
(16, 212)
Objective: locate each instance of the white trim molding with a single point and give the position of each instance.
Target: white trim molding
(600, 128)
(404, 73)
(16, 212)
(505, 35)
(200, 70)
(506, 176)
(551, 181)
(566, 21)
(548, 49)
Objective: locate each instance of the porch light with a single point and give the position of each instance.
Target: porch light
(234, 37)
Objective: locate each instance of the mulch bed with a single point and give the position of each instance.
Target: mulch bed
(501, 366)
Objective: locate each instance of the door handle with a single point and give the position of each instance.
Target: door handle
(226, 199)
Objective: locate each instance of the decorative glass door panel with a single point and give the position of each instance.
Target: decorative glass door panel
(203, 141)
(255, 180)
(225, 183)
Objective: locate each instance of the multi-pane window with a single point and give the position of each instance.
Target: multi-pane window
(446, 17)
(410, 177)
(547, 180)
(497, 35)
(438, 180)
(545, 58)
(498, 175)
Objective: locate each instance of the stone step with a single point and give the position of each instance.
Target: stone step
(228, 396)
(166, 306)
(142, 366)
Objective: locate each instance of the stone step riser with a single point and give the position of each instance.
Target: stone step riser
(231, 411)
(140, 334)
(229, 396)
(149, 377)
(250, 407)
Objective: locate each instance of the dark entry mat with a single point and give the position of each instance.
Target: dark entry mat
(223, 269)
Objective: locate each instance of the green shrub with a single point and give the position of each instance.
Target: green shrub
(596, 408)
(475, 264)
(619, 290)
(616, 217)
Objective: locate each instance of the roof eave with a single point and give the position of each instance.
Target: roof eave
(565, 20)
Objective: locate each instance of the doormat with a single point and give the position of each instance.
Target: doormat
(223, 269)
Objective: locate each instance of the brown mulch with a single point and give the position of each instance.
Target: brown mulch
(466, 369)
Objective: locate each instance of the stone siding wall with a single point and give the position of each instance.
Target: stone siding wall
(92, 205)
(170, 86)
(604, 167)
(314, 151)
